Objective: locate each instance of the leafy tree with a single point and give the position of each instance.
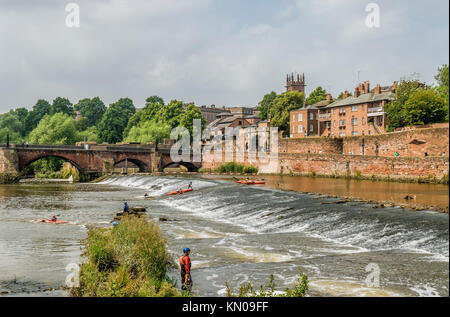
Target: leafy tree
(11, 121)
(341, 95)
(55, 129)
(187, 117)
(170, 113)
(62, 105)
(154, 99)
(443, 86)
(282, 106)
(115, 120)
(82, 124)
(90, 135)
(40, 109)
(316, 96)
(424, 107)
(148, 131)
(91, 109)
(395, 113)
(14, 136)
(265, 104)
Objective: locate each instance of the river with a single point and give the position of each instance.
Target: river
(238, 233)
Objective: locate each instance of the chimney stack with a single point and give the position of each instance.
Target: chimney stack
(345, 94)
(329, 97)
(377, 89)
(357, 91)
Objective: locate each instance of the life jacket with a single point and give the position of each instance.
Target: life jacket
(185, 263)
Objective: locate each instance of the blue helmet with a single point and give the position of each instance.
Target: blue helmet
(186, 250)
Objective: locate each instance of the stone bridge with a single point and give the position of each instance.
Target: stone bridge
(91, 159)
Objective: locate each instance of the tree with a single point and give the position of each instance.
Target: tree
(341, 95)
(443, 86)
(115, 119)
(91, 109)
(395, 113)
(90, 135)
(149, 131)
(316, 96)
(187, 117)
(40, 109)
(282, 106)
(147, 114)
(170, 113)
(154, 99)
(62, 105)
(424, 107)
(55, 129)
(265, 104)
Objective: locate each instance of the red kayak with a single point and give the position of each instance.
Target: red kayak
(251, 182)
(177, 192)
(50, 221)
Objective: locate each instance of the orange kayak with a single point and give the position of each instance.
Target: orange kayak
(251, 182)
(176, 192)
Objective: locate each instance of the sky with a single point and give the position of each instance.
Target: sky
(222, 52)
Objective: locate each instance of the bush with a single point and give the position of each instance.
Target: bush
(247, 290)
(128, 260)
(233, 167)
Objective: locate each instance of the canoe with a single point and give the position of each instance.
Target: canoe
(251, 182)
(176, 192)
(49, 221)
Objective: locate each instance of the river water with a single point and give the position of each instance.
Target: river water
(237, 233)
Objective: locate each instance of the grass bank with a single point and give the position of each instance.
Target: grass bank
(128, 260)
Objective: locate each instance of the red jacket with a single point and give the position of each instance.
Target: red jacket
(185, 263)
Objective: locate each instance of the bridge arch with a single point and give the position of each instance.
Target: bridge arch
(28, 162)
(142, 166)
(190, 166)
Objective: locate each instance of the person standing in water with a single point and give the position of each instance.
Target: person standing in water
(185, 270)
(125, 208)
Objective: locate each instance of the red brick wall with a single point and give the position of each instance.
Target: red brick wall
(315, 145)
(413, 143)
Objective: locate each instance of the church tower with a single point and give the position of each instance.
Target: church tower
(295, 84)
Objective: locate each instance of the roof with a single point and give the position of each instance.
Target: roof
(370, 97)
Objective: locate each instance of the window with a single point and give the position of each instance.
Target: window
(342, 110)
(311, 127)
(328, 124)
(363, 121)
(334, 123)
(354, 121)
(342, 123)
(293, 118)
(354, 108)
(342, 134)
(311, 116)
(354, 133)
(300, 129)
(300, 117)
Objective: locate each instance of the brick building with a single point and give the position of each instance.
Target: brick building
(360, 114)
(210, 113)
(293, 84)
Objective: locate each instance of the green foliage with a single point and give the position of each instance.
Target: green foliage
(265, 104)
(62, 105)
(15, 121)
(300, 289)
(55, 129)
(90, 135)
(170, 113)
(92, 110)
(148, 131)
(188, 115)
(14, 137)
(154, 99)
(129, 260)
(316, 96)
(341, 95)
(424, 107)
(232, 167)
(282, 106)
(443, 87)
(115, 120)
(40, 110)
(395, 110)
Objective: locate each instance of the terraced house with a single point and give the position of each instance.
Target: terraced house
(360, 114)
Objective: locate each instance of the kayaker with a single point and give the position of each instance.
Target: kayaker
(125, 208)
(53, 219)
(146, 195)
(180, 190)
(185, 270)
(190, 185)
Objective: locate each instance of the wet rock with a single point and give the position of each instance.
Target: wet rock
(4, 292)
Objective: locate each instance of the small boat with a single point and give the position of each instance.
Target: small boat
(177, 192)
(251, 182)
(50, 221)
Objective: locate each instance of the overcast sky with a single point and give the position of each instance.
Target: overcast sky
(222, 52)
